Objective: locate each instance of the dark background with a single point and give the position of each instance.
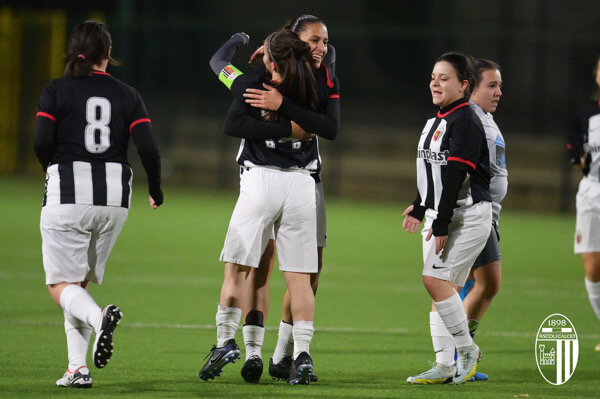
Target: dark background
(385, 53)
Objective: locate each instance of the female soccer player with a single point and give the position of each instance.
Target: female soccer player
(486, 273)
(453, 193)
(313, 31)
(584, 151)
(276, 194)
(81, 138)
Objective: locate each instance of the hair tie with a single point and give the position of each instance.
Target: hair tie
(81, 56)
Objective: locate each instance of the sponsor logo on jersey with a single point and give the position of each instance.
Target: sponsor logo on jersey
(556, 349)
(433, 157)
(229, 73)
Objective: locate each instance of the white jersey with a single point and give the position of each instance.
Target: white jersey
(496, 147)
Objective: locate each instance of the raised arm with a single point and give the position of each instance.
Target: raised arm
(220, 62)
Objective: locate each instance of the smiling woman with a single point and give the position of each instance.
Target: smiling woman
(458, 211)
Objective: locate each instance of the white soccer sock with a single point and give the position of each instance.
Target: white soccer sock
(253, 340)
(80, 304)
(303, 333)
(455, 319)
(593, 290)
(285, 342)
(443, 344)
(228, 320)
(78, 340)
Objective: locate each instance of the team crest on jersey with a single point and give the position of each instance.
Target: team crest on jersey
(439, 132)
(229, 73)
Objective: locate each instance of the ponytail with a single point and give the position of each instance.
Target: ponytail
(89, 44)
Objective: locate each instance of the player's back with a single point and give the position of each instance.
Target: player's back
(93, 117)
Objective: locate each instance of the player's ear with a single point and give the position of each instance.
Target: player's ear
(108, 56)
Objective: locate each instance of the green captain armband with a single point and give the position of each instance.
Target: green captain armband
(228, 75)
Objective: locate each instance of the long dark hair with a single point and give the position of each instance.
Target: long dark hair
(89, 44)
(299, 23)
(463, 66)
(293, 60)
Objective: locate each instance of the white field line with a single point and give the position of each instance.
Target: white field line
(349, 330)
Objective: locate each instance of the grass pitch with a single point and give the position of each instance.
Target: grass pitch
(371, 319)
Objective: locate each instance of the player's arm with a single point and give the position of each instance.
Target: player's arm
(239, 123)
(220, 62)
(417, 211)
(141, 134)
(324, 124)
(465, 145)
(45, 126)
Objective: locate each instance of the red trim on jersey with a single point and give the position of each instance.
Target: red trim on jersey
(46, 115)
(457, 159)
(452, 110)
(100, 73)
(329, 82)
(142, 120)
(334, 96)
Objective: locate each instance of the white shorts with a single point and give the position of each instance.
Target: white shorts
(279, 202)
(77, 239)
(587, 225)
(467, 234)
(321, 216)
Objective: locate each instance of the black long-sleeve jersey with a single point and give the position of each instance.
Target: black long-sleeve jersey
(453, 164)
(245, 122)
(82, 134)
(269, 144)
(584, 139)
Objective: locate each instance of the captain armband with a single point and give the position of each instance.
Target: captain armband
(228, 75)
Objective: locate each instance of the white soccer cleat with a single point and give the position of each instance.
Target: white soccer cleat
(597, 348)
(439, 374)
(466, 363)
(80, 378)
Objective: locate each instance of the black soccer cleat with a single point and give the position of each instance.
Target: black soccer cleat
(219, 357)
(103, 344)
(301, 370)
(252, 370)
(281, 370)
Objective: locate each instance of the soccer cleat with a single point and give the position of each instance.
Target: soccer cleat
(281, 370)
(479, 377)
(466, 364)
(597, 348)
(80, 378)
(219, 357)
(301, 370)
(438, 374)
(252, 370)
(103, 344)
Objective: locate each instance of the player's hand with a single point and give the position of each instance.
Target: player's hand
(300, 134)
(440, 242)
(152, 202)
(257, 55)
(269, 99)
(410, 223)
(245, 37)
